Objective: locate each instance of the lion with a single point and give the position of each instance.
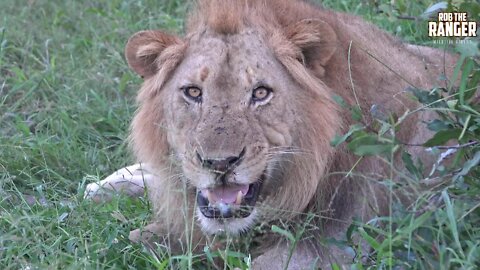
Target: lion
(235, 122)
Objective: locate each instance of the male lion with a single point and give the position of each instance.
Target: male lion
(236, 118)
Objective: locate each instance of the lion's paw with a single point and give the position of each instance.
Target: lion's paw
(130, 180)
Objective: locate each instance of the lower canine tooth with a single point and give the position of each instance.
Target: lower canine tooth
(239, 198)
(209, 196)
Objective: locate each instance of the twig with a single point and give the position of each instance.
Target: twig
(443, 147)
(406, 17)
(350, 75)
(458, 146)
(433, 203)
(438, 180)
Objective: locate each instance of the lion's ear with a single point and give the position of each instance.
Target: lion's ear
(315, 38)
(144, 48)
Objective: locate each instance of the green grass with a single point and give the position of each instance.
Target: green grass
(66, 100)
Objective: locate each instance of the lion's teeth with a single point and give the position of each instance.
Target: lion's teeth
(209, 196)
(239, 197)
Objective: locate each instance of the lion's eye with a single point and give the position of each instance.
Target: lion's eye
(261, 94)
(193, 93)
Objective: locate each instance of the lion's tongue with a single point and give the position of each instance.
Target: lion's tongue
(225, 194)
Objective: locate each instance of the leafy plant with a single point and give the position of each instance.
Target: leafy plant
(439, 230)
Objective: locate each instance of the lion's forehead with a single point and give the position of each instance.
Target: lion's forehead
(244, 54)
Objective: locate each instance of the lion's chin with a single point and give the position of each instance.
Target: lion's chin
(230, 226)
(228, 209)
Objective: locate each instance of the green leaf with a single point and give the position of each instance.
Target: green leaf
(340, 139)
(22, 126)
(463, 83)
(370, 240)
(335, 266)
(456, 71)
(452, 103)
(431, 98)
(283, 232)
(451, 218)
(468, 49)
(472, 85)
(340, 101)
(411, 168)
(370, 150)
(473, 8)
(368, 145)
(469, 165)
(356, 113)
(415, 224)
(353, 227)
(442, 137)
(384, 129)
(163, 264)
(437, 125)
(207, 252)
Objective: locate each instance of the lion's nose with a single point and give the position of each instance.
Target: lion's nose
(221, 165)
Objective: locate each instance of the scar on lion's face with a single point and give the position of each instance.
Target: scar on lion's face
(204, 74)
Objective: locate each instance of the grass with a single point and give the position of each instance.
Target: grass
(66, 100)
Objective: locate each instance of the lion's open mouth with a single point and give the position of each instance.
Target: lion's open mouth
(236, 201)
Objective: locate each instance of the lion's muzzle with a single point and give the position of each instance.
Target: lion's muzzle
(226, 199)
(221, 166)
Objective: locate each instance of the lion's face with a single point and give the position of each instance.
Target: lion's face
(227, 119)
(231, 114)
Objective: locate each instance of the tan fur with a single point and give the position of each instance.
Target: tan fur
(307, 55)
